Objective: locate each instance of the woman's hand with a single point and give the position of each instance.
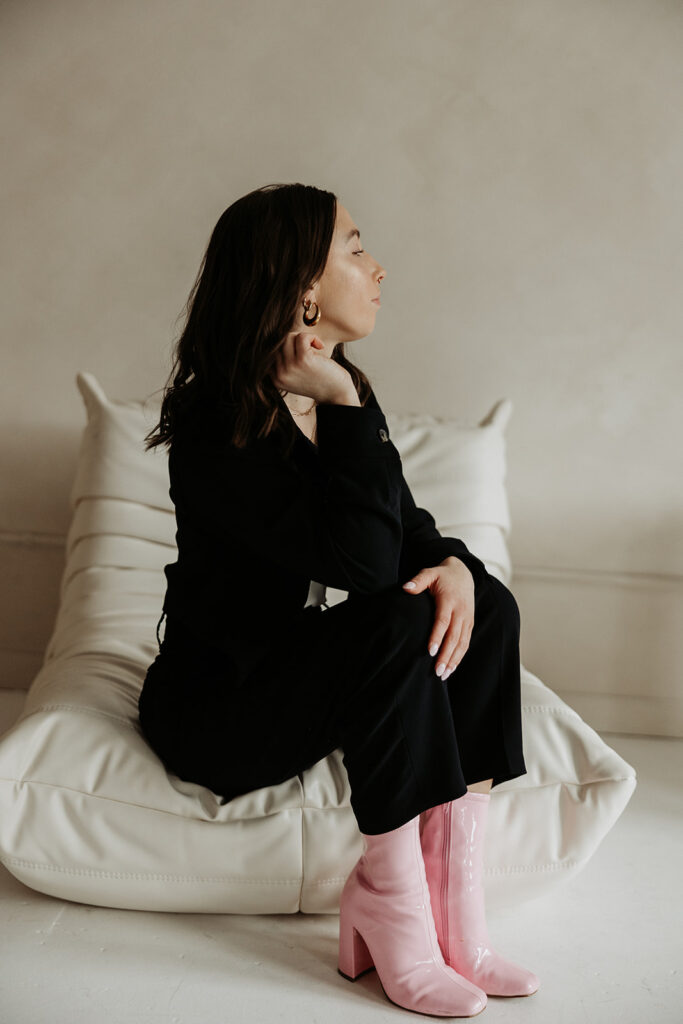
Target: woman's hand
(302, 368)
(452, 585)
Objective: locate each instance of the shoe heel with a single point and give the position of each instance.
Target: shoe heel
(354, 956)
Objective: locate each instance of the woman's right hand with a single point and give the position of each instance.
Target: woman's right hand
(302, 368)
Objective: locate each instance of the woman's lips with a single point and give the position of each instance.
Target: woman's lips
(377, 301)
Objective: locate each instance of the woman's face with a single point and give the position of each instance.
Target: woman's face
(347, 287)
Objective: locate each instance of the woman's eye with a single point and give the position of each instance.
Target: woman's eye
(356, 253)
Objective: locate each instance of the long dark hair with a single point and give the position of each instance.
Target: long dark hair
(266, 250)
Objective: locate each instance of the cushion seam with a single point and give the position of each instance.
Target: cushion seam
(142, 807)
(330, 880)
(148, 874)
(84, 710)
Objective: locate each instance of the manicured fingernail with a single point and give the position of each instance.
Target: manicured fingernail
(440, 668)
(446, 674)
(433, 649)
(411, 585)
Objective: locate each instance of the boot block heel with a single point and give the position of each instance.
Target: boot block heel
(354, 956)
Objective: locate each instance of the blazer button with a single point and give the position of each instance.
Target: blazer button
(383, 434)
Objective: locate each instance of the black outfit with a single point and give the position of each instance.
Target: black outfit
(251, 688)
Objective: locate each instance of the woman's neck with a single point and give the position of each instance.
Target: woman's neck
(305, 420)
(300, 404)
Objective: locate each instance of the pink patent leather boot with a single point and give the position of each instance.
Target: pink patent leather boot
(385, 921)
(452, 838)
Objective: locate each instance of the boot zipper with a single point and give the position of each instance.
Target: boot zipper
(445, 854)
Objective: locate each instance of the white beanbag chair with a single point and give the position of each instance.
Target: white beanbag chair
(89, 813)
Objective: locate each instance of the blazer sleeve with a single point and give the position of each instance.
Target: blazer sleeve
(340, 526)
(423, 546)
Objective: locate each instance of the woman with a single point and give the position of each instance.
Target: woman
(284, 478)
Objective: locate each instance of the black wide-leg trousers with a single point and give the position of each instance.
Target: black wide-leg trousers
(356, 676)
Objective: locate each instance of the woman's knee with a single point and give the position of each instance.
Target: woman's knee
(506, 602)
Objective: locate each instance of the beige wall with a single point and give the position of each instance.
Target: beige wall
(516, 166)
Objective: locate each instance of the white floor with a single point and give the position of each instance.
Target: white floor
(607, 947)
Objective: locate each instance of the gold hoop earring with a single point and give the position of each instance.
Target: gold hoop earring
(307, 306)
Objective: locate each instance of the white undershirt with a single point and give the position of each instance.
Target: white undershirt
(317, 594)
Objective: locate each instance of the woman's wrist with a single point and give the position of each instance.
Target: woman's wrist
(347, 397)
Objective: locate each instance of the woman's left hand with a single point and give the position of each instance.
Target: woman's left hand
(452, 585)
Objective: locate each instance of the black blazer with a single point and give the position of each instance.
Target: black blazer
(253, 530)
